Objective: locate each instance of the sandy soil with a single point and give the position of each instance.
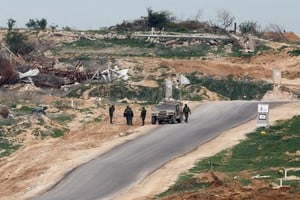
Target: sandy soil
(39, 164)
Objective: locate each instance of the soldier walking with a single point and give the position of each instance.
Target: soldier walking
(143, 115)
(186, 112)
(111, 111)
(128, 113)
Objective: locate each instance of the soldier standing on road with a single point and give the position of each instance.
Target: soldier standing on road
(111, 111)
(125, 114)
(143, 115)
(186, 112)
(128, 113)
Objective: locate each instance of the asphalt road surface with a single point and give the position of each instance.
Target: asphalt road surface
(124, 166)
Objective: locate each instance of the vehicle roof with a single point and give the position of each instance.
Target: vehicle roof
(167, 105)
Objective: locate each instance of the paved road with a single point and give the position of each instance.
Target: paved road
(125, 165)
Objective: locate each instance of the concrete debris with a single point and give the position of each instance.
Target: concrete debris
(30, 73)
(39, 111)
(56, 77)
(258, 176)
(109, 75)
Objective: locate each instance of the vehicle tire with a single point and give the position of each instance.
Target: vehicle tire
(179, 120)
(153, 120)
(173, 120)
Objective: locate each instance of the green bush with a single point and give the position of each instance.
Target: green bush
(11, 23)
(77, 92)
(295, 52)
(25, 110)
(234, 89)
(57, 133)
(158, 19)
(6, 148)
(37, 24)
(249, 27)
(63, 118)
(129, 42)
(183, 52)
(140, 93)
(17, 43)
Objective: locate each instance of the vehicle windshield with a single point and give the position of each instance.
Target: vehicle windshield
(164, 107)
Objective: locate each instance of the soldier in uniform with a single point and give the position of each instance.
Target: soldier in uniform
(111, 111)
(128, 113)
(143, 115)
(186, 112)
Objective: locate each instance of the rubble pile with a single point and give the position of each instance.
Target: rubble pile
(41, 76)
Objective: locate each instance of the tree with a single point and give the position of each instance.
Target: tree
(37, 24)
(11, 23)
(225, 18)
(42, 24)
(199, 15)
(67, 28)
(158, 19)
(53, 27)
(249, 27)
(31, 24)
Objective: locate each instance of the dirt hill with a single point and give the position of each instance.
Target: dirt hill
(37, 150)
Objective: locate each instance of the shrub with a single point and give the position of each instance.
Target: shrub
(234, 89)
(249, 27)
(295, 52)
(158, 19)
(37, 24)
(11, 23)
(17, 43)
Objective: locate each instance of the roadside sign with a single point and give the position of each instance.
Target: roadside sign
(263, 108)
(262, 115)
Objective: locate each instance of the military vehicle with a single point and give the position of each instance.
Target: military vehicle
(167, 111)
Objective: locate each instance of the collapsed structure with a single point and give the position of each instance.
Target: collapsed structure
(55, 78)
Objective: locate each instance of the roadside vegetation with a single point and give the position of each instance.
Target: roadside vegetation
(295, 52)
(7, 147)
(260, 160)
(230, 87)
(20, 120)
(233, 88)
(127, 45)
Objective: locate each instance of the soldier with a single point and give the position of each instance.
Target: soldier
(111, 111)
(186, 112)
(128, 113)
(143, 115)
